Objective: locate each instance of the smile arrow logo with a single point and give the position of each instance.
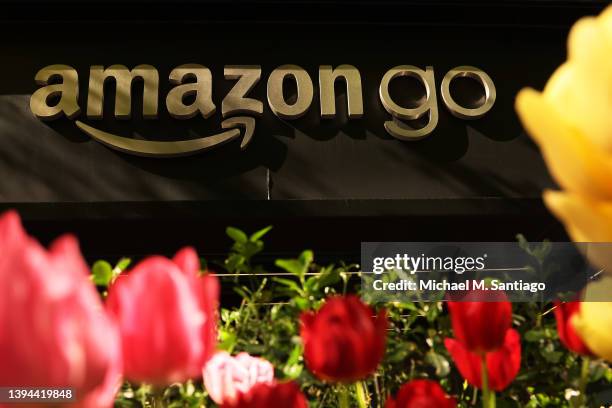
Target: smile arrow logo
(235, 126)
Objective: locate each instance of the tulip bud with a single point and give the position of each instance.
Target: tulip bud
(502, 365)
(344, 341)
(53, 329)
(421, 393)
(167, 318)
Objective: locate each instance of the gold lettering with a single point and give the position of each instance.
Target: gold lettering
(123, 88)
(67, 91)
(352, 78)
(235, 102)
(202, 89)
(476, 74)
(401, 130)
(276, 99)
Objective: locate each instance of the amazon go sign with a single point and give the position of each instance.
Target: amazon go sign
(59, 92)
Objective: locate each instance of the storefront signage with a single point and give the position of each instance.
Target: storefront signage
(58, 96)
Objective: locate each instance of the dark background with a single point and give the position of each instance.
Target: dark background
(324, 185)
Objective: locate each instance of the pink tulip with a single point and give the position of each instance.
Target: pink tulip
(167, 317)
(53, 329)
(226, 376)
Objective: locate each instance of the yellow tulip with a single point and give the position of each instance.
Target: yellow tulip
(571, 120)
(594, 320)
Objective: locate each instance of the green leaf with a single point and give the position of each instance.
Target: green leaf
(291, 284)
(228, 340)
(292, 368)
(306, 257)
(550, 355)
(123, 264)
(432, 312)
(398, 355)
(236, 234)
(535, 335)
(523, 243)
(439, 362)
(242, 291)
(256, 236)
(292, 266)
(102, 273)
(297, 267)
(235, 263)
(120, 267)
(301, 303)
(329, 278)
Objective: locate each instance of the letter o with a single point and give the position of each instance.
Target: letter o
(276, 99)
(476, 74)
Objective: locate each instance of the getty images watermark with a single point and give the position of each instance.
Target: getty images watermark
(431, 271)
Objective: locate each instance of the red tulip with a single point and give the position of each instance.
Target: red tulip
(266, 395)
(53, 329)
(567, 334)
(421, 394)
(502, 365)
(344, 341)
(481, 326)
(167, 318)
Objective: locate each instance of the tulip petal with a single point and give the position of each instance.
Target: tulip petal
(594, 321)
(605, 19)
(187, 260)
(167, 321)
(575, 162)
(502, 365)
(583, 98)
(564, 313)
(586, 221)
(481, 325)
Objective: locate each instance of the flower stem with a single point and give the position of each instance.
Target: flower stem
(157, 397)
(584, 379)
(343, 397)
(362, 396)
(158, 400)
(488, 396)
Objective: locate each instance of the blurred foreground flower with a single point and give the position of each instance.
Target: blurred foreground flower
(502, 365)
(594, 320)
(564, 313)
(571, 121)
(167, 316)
(264, 395)
(53, 329)
(481, 326)
(226, 376)
(421, 393)
(344, 341)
